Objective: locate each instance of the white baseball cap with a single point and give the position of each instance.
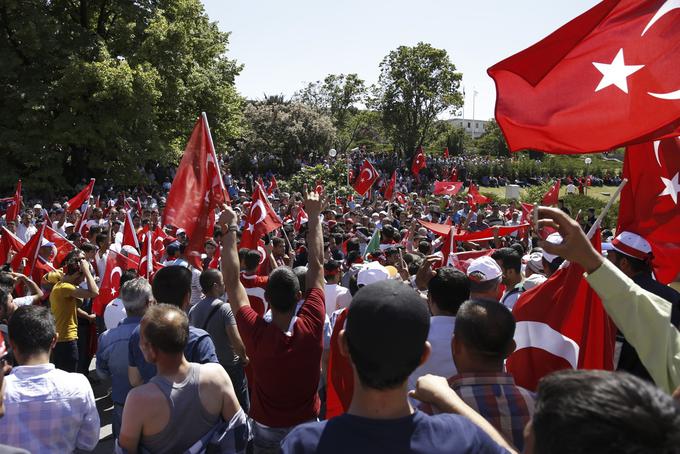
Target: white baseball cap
(632, 245)
(554, 238)
(534, 261)
(487, 267)
(371, 273)
(534, 280)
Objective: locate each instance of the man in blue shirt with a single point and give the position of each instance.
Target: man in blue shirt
(171, 285)
(112, 352)
(385, 338)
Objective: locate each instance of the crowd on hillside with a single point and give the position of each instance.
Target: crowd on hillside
(358, 326)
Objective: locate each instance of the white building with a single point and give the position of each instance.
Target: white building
(474, 128)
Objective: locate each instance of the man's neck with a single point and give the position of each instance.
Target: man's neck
(282, 319)
(480, 368)
(379, 404)
(33, 360)
(174, 368)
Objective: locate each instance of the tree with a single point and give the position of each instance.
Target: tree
(102, 87)
(493, 141)
(281, 135)
(415, 85)
(339, 96)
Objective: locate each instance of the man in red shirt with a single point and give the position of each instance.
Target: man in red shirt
(285, 353)
(253, 282)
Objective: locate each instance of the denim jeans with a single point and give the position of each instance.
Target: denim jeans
(65, 356)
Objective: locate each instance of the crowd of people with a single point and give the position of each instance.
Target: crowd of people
(355, 329)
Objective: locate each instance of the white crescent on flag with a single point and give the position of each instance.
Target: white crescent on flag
(542, 336)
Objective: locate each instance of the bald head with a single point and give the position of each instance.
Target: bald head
(166, 328)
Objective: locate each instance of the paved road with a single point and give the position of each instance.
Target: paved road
(102, 394)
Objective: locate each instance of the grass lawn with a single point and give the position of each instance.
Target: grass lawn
(602, 193)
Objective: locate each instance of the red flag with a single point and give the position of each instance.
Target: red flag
(401, 198)
(272, 186)
(618, 62)
(447, 187)
(81, 198)
(139, 207)
(116, 265)
(47, 219)
(215, 262)
(389, 191)
(63, 245)
(527, 210)
(147, 264)
(340, 376)
(367, 176)
(30, 253)
(261, 181)
(129, 235)
(196, 191)
(319, 187)
(649, 202)
(561, 324)
(14, 205)
(159, 238)
(454, 174)
(446, 153)
(261, 219)
(474, 198)
(8, 243)
(418, 163)
(552, 196)
(300, 219)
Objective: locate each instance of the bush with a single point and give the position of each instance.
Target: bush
(334, 179)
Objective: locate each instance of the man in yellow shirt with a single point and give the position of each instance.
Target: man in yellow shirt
(65, 298)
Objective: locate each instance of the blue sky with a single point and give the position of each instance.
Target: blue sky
(285, 44)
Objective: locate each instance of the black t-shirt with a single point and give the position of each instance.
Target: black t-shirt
(417, 433)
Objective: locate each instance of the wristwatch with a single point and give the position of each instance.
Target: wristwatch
(232, 228)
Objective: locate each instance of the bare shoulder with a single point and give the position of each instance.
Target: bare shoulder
(213, 373)
(144, 396)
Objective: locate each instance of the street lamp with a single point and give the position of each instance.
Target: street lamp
(587, 161)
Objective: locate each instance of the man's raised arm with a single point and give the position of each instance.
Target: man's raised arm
(230, 263)
(314, 241)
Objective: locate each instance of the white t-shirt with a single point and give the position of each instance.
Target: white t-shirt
(440, 361)
(114, 313)
(337, 297)
(571, 189)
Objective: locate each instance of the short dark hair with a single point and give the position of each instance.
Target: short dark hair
(128, 275)
(603, 412)
(637, 265)
(252, 259)
(487, 327)
(424, 247)
(509, 258)
(448, 289)
(276, 241)
(99, 239)
(282, 289)
(171, 285)
(166, 327)
(353, 244)
(301, 273)
(32, 329)
(209, 278)
(88, 247)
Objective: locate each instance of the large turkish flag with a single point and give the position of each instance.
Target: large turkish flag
(261, 219)
(367, 176)
(606, 79)
(649, 202)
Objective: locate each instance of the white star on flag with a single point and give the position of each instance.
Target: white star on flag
(616, 72)
(672, 187)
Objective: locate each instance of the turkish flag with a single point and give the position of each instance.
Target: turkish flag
(367, 176)
(272, 186)
(196, 191)
(261, 220)
(561, 324)
(454, 174)
(618, 62)
(81, 198)
(129, 235)
(300, 219)
(116, 265)
(474, 198)
(552, 196)
(35, 268)
(649, 202)
(446, 153)
(8, 243)
(147, 263)
(389, 190)
(418, 162)
(447, 187)
(14, 205)
(401, 198)
(63, 245)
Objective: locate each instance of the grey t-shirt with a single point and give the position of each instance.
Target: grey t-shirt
(221, 318)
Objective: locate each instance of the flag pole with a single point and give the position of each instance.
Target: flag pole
(606, 209)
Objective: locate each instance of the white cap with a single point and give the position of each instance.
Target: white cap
(180, 230)
(37, 206)
(372, 273)
(534, 261)
(67, 225)
(632, 245)
(554, 238)
(487, 267)
(534, 280)
(128, 250)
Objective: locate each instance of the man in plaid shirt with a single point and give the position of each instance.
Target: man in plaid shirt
(47, 410)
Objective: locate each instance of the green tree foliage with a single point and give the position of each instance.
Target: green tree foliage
(416, 84)
(103, 87)
(340, 97)
(334, 179)
(283, 134)
(492, 143)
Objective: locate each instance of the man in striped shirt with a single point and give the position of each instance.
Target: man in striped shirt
(483, 338)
